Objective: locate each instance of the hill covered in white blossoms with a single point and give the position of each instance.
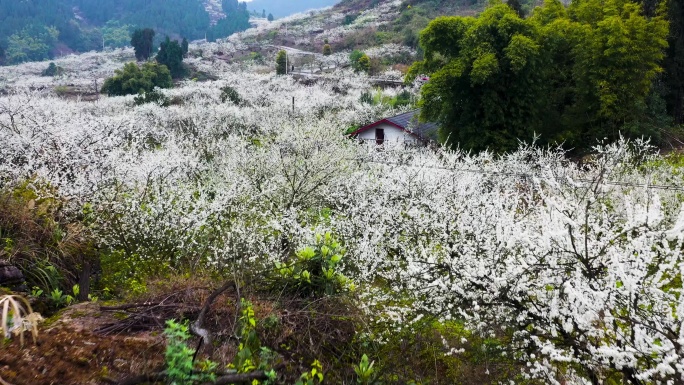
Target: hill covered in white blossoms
(578, 267)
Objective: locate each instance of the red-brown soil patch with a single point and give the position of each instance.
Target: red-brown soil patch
(69, 352)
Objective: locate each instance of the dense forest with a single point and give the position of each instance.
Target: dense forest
(41, 29)
(574, 75)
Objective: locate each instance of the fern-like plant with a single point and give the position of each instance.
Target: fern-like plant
(18, 317)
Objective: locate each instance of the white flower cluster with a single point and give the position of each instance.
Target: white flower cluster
(582, 263)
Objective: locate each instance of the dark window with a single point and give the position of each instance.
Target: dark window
(379, 135)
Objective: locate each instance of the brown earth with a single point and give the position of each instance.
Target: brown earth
(68, 352)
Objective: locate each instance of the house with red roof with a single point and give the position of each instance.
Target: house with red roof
(401, 129)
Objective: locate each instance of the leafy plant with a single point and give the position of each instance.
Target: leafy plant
(364, 371)
(315, 376)
(316, 270)
(179, 357)
(251, 355)
(53, 70)
(18, 317)
(229, 93)
(59, 299)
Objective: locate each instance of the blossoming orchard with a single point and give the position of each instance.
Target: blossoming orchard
(577, 264)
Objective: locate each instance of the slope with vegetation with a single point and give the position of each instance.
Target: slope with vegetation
(217, 232)
(37, 30)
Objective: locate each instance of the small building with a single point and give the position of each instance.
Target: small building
(401, 129)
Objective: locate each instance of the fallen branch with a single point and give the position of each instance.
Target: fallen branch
(197, 328)
(234, 378)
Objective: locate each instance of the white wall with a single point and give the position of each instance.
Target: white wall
(393, 135)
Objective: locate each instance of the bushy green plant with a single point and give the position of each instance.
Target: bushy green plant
(365, 374)
(315, 270)
(251, 355)
(53, 70)
(179, 358)
(132, 79)
(315, 376)
(281, 63)
(229, 93)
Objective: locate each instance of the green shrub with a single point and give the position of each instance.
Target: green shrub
(131, 79)
(315, 272)
(53, 70)
(229, 93)
(179, 358)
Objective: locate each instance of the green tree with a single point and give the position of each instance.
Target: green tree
(572, 75)
(281, 63)
(171, 55)
(132, 79)
(116, 35)
(263, 13)
(143, 43)
(185, 47)
(52, 70)
(674, 62)
(270, 17)
(354, 57)
(327, 49)
(364, 64)
(33, 43)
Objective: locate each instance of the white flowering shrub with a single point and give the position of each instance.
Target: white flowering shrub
(580, 265)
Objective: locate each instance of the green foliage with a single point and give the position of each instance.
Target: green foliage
(172, 17)
(33, 43)
(29, 19)
(570, 75)
(364, 64)
(171, 55)
(404, 98)
(115, 34)
(281, 63)
(315, 271)
(179, 365)
(354, 58)
(142, 41)
(153, 96)
(365, 374)
(53, 70)
(185, 47)
(349, 19)
(673, 64)
(315, 376)
(135, 80)
(367, 98)
(236, 20)
(251, 355)
(257, 57)
(59, 299)
(229, 93)
(270, 17)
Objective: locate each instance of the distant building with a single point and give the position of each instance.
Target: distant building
(401, 129)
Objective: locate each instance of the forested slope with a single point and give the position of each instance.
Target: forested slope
(41, 29)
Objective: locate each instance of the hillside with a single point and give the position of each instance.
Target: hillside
(282, 8)
(39, 29)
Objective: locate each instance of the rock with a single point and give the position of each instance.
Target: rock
(10, 275)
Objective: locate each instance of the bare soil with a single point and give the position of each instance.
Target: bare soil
(69, 352)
